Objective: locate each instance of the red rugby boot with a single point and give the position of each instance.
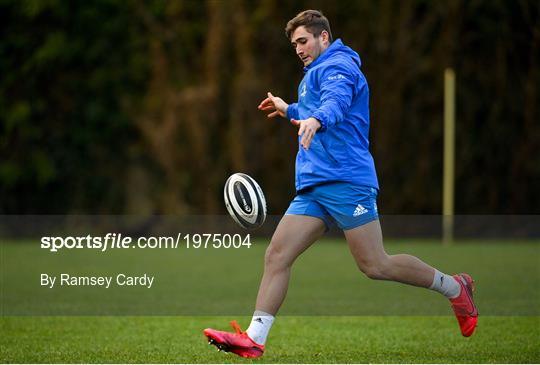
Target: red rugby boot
(238, 342)
(463, 305)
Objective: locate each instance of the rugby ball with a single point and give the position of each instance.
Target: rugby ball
(245, 201)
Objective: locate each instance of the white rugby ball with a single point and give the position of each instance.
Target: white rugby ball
(245, 201)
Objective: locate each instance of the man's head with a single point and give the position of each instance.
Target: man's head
(310, 34)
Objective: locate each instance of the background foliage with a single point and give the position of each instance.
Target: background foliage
(147, 106)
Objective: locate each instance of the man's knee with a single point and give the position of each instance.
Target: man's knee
(377, 269)
(275, 257)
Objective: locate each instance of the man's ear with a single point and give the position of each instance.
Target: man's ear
(325, 36)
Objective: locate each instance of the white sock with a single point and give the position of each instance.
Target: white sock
(260, 326)
(445, 284)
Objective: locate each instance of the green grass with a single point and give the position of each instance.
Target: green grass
(332, 313)
(293, 340)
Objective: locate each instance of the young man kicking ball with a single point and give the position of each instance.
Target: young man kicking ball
(336, 183)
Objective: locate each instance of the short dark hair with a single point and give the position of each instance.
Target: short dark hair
(314, 21)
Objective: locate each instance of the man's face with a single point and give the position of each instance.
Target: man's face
(307, 46)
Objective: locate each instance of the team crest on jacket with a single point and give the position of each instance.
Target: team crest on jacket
(303, 92)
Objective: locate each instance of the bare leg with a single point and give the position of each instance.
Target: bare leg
(293, 235)
(366, 245)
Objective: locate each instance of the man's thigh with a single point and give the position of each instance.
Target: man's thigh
(294, 234)
(366, 242)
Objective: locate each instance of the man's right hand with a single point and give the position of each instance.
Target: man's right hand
(275, 104)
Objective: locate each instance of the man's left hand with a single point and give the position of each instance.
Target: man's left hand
(307, 129)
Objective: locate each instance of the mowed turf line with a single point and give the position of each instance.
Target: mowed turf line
(306, 339)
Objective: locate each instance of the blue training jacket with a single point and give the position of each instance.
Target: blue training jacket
(336, 93)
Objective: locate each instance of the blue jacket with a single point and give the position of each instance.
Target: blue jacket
(335, 92)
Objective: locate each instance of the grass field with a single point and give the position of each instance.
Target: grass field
(367, 321)
(293, 340)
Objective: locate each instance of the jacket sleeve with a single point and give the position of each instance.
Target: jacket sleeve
(337, 84)
(292, 111)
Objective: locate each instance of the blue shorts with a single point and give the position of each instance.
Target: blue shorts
(347, 205)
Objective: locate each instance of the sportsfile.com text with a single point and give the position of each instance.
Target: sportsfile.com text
(119, 241)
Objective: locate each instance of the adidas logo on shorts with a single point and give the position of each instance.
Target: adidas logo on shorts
(359, 210)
